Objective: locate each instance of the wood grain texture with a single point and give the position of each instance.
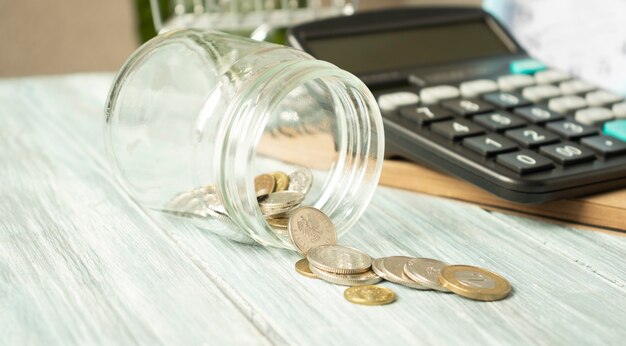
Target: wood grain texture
(81, 264)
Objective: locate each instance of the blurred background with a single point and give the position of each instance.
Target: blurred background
(68, 36)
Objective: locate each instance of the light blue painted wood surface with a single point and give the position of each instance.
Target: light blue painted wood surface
(81, 264)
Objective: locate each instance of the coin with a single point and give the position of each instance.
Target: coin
(309, 227)
(339, 259)
(369, 295)
(301, 180)
(282, 181)
(263, 185)
(392, 269)
(425, 271)
(278, 222)
(360, 279)
(302, 267)
(474, 282)
(282, 199)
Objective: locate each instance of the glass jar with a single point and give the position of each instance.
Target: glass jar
(201, 113)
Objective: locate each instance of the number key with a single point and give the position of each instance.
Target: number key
(524, 161)
(506, 99)
(467, 107)
(456, 129)
(425, 114)
(567, 153)
(499, 121)
(571, 129)
(532, 136)
(537, 114)
(489, 145)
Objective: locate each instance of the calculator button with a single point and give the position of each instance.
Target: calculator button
(499, 121)
(593, 115)
(619, 110)
(437, 93)
(489, 145)
(538, 114)
(425, 114)
(615, 128)
(566, 104)
(551, 76)
(571, 129)
(540, 92)
(456, 129)
(390, 102)
(506, 99)
(515, 81)
(576, 86)
(605, 145)
(467, 107)
(526, 66)
(532, 136)
(602, 97)
(478, 87)
(567, 153)
(524, 161)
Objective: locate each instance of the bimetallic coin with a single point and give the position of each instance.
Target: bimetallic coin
(426, 271)
(392, 269)
(474, 282)
(282, 181)
(301, 180)
(302, 267)
(360, 279)
(339, 259)
(263, 185)
(369, 295)
(309, 227)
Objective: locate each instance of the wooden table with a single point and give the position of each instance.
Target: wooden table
(80, 263)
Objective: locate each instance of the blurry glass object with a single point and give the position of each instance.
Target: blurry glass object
(263, 20)
(587, 38)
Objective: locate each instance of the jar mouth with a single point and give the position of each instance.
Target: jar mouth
(338, 135)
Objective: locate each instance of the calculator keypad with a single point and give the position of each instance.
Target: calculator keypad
(523, 123)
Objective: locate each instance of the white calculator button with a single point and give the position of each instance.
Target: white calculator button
(478, 87)
(551, 76)
(515, 81)
(539, 92)
(390, 102)
(602, 97)
(619, 110)
(437, 93)
(593, 115)
(576, 86)
(566, 104)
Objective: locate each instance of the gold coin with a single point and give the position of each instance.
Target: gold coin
(281, 223)
(302, 267)
(474, 282)
(264, 185)
(369, 295)
(282, 181)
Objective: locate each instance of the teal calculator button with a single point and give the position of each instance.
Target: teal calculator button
(526, 66)
(616, 128)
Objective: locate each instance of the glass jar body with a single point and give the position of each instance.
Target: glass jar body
(195, 114)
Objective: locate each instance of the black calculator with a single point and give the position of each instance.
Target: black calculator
(459, 94)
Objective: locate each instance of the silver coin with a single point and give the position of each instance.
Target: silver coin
(426, 271)
(339, 259)
(281, 199)
(392, 269)
(301, 180)
(309, 227)
(359, 279)
(277, 212)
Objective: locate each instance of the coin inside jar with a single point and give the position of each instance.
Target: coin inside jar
(301, 180)
(339, 259)
(309, 227)
(264, 185)
(474, 282)
(426, 271)
(282, 181)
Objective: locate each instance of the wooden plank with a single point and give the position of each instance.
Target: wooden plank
(556, 299)
(79, 262)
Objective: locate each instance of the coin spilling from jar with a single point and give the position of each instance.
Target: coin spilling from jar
(313, 235)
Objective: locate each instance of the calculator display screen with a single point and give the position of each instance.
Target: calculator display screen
(409, 47)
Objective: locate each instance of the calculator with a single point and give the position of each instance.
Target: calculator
(459, 94)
